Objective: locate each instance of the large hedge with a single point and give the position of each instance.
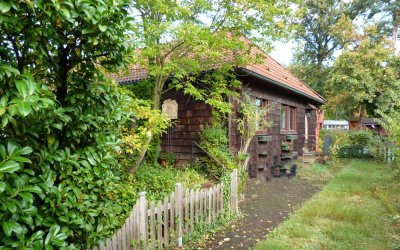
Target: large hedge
(61, 121)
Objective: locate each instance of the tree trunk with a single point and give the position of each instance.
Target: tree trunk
(395, 28)
(159, 82)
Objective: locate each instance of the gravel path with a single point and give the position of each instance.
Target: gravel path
(265, 205)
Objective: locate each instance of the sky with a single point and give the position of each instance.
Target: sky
(283, 52)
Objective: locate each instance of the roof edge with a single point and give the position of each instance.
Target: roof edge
(264, 78)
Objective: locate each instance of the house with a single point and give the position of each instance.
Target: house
(335, 124)
(296, 118)
(373, 124)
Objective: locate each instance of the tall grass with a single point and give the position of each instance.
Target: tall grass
(357, 209)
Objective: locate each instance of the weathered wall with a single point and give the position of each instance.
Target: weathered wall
(275, 98)
(193, 117)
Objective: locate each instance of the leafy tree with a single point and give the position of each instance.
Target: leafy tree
(389, 15)
(316, 42)
(185, 38)
(316, 19)
(62, 121)
(365, 78)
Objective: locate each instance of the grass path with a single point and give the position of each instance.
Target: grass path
(356, 210)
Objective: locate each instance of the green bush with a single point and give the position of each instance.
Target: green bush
(360, 137)
(353, 151)
(157, 181)
(169, 157)
(339, 136)
(61, 122)
(219, 159)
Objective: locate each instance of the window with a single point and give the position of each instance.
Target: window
(288, 119)
(283, 118)
(260, 104)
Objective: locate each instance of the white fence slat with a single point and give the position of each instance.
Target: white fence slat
(187, 200)
(222, 196)
(102, 246)
(209, 204)
(166, 222)
(114, 241)
(159, 224)
(143, 220)
(191, 210)
(201, 206)
(197, 206)
(109, 244)
(136, 238)
(172, 214)
(205, 211)
(179, 212)
(152, 225)
(234, 190)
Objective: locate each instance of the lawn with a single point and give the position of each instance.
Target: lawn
(357, 209)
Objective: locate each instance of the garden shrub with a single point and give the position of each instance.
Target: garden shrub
(220, 160)
(157, 181)
(354, 151)
(355, 144)
(360, 137)
(169, 157)
(339, 136)
(65, 127)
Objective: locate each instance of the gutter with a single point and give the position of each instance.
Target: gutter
(276, 83)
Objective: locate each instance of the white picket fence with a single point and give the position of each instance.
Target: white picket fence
(161, 225)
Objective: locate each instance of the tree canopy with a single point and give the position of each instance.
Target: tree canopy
(365, 77)
(184, 38)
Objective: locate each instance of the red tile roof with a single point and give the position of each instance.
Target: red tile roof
(267, 67)
(271, 69)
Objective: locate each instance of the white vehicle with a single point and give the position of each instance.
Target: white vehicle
(335, 124)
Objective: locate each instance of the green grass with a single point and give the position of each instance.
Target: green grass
(357, 209)
(320, 174)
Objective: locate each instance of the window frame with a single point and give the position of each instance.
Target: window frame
(260, 104)
(290, 119)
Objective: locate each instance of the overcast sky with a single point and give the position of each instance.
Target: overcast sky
(283, 52)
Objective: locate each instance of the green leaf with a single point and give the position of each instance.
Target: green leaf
(4, 6)
(20, 159)
(24, 107)
(4, 121)
(30, 210)
(2, 186)
(57, 126)
(33, 189)
(52, 232)
(36, 236)
(25, 151)
(26, 196)
(59, 239)
(11, 205)
(22, 87)
(11, 226)
(3, 152)
(102, 28)
(11, 147)
(86, 31)
(76, 222)
(9, 167)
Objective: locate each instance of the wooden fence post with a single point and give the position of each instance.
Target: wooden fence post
(178, 212)
(143, 219)
(234, 191)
